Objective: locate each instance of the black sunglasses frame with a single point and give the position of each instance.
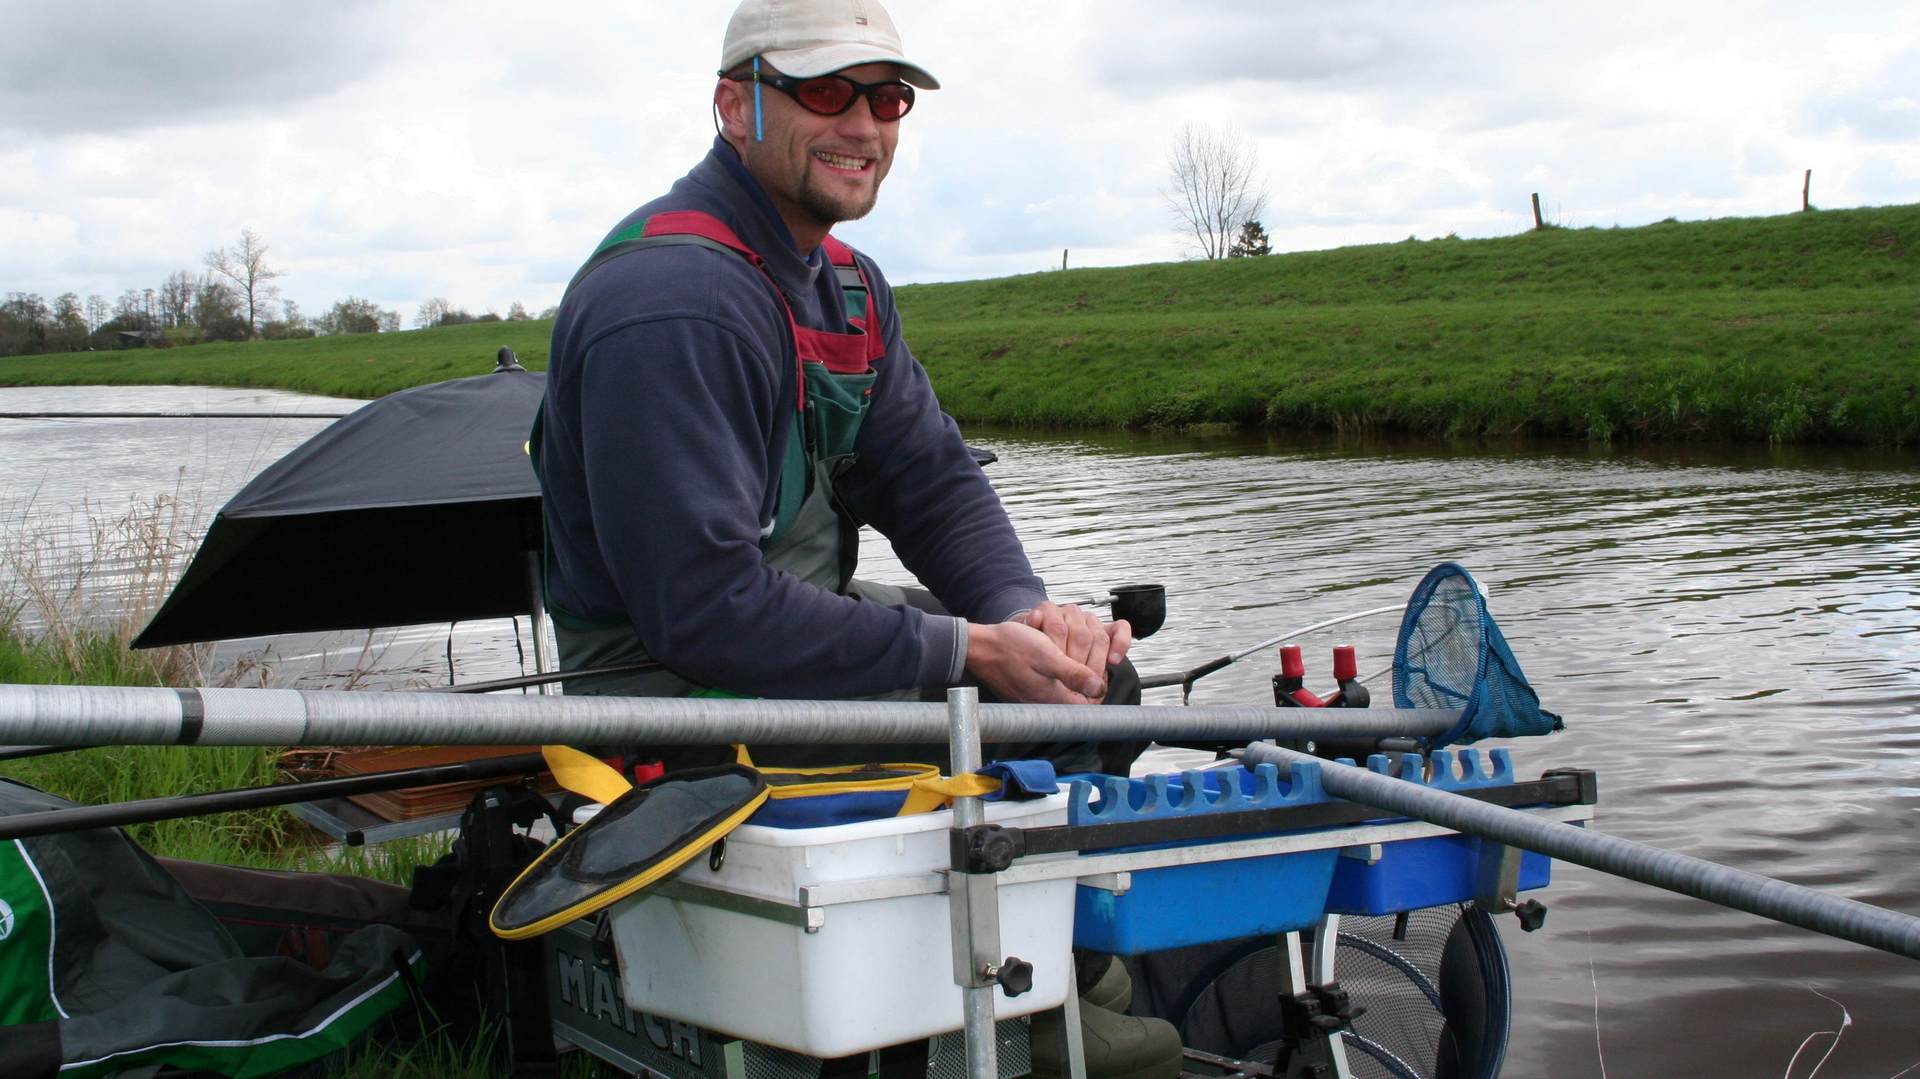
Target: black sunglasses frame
(790, 86)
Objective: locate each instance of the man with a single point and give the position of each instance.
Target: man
(683, 526)
(729, 398)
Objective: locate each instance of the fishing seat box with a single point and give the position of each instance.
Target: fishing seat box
(877, 973)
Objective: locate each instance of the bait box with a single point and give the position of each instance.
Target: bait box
(1177, 906)
(1415, 873)
(1436, 870)
(877, 972)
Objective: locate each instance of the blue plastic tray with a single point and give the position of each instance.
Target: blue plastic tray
(1197, 904)
(1416, 873)
(1437, 870)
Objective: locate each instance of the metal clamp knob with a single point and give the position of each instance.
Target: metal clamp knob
(1014, 974)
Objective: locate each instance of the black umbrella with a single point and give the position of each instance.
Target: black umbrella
(419, 507)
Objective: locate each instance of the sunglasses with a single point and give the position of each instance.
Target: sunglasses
(831, 95)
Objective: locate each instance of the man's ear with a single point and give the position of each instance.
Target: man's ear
(735, 102)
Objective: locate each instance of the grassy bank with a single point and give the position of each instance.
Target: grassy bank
(352, 365)
(1798, 328)
(1795, 328)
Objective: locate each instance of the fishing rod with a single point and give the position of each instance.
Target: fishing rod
(1142, 606)
(529, 681)
(169, 414)
(1186, 679)
(115, 715)
(173, 807)
(19, 753)
(1723, 885)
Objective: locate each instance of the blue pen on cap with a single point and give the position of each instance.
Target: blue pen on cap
(759, 133)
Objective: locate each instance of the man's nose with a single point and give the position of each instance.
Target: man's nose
(858, 121)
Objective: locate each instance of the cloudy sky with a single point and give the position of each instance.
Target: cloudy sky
(477, 150)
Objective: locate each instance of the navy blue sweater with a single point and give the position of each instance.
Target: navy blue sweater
(670, 395)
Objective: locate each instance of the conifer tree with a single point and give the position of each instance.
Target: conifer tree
(1251, 241)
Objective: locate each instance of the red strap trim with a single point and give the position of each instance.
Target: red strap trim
(838, 253)
(840, 353)
(695, 223)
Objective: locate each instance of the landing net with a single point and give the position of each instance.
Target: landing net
(1451, 655)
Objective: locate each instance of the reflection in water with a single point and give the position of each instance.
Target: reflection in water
(1733, 637)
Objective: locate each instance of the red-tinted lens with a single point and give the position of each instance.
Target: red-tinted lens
(890, 100)
(828, 95)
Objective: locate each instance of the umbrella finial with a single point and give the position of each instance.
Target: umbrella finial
(508, 361)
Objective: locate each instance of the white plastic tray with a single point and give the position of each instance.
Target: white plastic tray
(876, 973)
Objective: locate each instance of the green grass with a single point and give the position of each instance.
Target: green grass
(267, 838)
(1797, 328)
(352, 365)
(259, 838)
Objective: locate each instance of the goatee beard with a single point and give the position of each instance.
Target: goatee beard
(828, 212)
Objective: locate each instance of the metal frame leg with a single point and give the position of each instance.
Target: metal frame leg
(1076, 1055)
(1326, 941)
(973, 898)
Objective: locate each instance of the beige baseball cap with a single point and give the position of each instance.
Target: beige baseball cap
(804, 38)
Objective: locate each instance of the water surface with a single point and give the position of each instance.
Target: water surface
(1732, 635)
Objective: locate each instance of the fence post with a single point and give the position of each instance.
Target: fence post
(1806, 185)
(1538, 221)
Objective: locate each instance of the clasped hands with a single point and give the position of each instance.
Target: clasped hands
(1049, 655)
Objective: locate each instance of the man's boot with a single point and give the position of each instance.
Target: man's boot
(1113, 990)
(1117, 1046)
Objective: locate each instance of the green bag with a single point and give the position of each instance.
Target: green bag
(108, 965)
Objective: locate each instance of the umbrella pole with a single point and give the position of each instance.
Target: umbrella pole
(537, 613)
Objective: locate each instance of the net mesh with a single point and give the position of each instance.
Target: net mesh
(1436, 990)
(1434, 984)
(1451, 655)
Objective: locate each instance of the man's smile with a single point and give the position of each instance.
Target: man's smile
(843, 162)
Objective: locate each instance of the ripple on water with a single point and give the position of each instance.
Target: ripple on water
(1730, 635)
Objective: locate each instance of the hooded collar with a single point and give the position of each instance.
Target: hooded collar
(743, 204)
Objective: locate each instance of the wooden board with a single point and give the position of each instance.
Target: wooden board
(413, 803)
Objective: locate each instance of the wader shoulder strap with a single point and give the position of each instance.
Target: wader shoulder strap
(616, 246)
(853, 284)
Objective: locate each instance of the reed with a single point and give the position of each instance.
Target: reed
(75, 589)
(78, 586)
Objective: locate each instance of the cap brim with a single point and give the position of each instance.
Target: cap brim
(827, 59)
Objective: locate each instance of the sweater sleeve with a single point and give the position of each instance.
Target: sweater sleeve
(915, 481)
(675, 417)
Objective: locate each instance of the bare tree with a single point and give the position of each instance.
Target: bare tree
(432, 312)
(176, 299)
(1216, 186)
(130, 310)
(245, 264)
(216, 311)
(69, 323)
